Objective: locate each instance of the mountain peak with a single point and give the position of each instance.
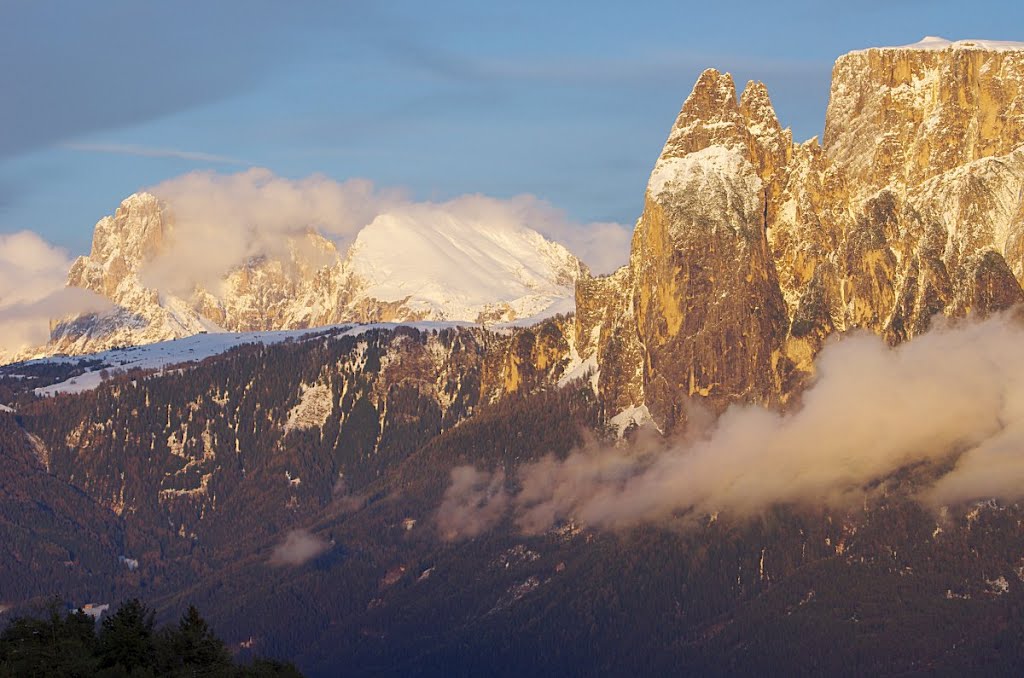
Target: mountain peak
(751, 251)
(756, 105)
(140, 198)
(712, 121)
(709, 117)
(713, 91)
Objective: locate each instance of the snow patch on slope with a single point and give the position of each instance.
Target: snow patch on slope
(314, 407)
(578, 367)
(637, 415)
(181, 352)
(702, 169)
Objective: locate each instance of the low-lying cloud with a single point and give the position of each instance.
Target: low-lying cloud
(473, 503)
(299, 547)
(32, 292)
(952, 399)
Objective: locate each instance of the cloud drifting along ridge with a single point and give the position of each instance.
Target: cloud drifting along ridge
(221, 220)
(32, 292)
(299, 547)
(955, 395)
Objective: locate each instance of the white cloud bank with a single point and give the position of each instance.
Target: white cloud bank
(955, 395)
(32, 292)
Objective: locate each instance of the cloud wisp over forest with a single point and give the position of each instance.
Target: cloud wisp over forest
(952, 399)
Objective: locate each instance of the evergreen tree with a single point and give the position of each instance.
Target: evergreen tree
(194, 647)
(126, 640)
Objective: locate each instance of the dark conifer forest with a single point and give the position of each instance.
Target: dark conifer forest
(127, 643)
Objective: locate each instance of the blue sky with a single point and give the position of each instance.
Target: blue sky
(567, 101)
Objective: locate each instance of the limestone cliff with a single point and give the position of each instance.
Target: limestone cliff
(899, 116)
(752, 250)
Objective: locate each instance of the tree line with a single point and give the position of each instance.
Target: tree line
(128, 644)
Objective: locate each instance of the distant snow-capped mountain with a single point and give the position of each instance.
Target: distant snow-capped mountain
(412, 265)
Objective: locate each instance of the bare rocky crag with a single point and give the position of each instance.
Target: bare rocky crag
(304, 290)
(752, 250)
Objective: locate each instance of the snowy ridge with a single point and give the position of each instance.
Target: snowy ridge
(181, 352)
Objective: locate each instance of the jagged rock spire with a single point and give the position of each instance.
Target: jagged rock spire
(750, 251)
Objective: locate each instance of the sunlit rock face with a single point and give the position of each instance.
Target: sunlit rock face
(302, 289)
(752, 250)
(899, 116)
(708, 309)
(606, 333)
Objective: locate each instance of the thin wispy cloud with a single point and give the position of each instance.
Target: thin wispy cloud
(152, 152)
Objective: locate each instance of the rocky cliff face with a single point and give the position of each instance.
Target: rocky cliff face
(900, 116)
(122, 246)
(751, 250)
(441, 271)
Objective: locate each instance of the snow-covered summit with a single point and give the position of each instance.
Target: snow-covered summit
(444, 267)
(935, 43)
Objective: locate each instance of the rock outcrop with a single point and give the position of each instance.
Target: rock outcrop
(899, 116)
(752, 250)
